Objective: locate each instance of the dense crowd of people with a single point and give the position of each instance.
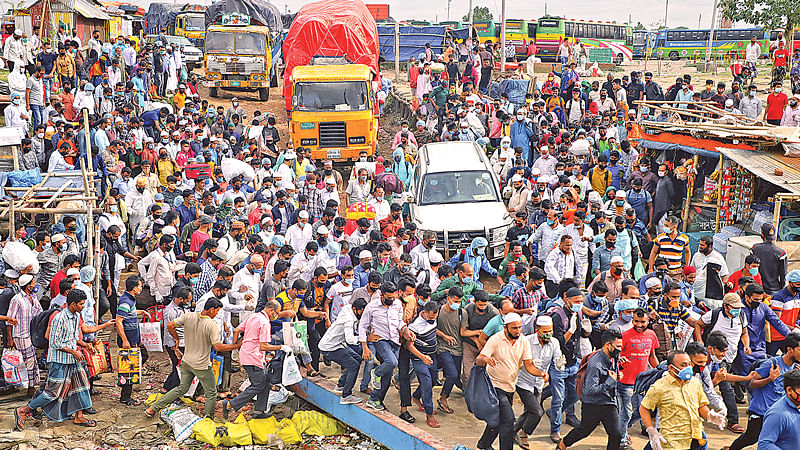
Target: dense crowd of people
(598, 291)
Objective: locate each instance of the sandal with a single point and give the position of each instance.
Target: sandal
(148, 413)
(432, 422)
(443, 407)
(19, 423)
(405, 415)
(522, 442)
(89, 423)
(313, 373)
(130, 402)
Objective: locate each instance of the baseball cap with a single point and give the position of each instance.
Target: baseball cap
(768, 231)
(206, 220)
(732, 299)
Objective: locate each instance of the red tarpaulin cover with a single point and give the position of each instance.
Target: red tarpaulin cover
(329, 28)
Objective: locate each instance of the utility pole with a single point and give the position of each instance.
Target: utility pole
(471, 24)
(545, 9)
(630, 19)
(503, 36)
(448, 9)
(699, 19)
(666, 10)
(711, 34)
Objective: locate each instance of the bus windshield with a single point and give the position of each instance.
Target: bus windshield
(639, 38)
(332, 96)
(195, 23)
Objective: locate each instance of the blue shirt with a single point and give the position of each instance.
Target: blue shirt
(779, 429)
(493, 326)
(639, 201)
(149, 118)
(756, 321)
(769, 394)
(601, 259)
(643, 282)
(360, 277)
(617, 172)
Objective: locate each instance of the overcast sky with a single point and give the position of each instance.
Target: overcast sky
(681, 12)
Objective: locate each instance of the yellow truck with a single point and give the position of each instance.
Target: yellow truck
(238, 56)
(334, 111)
(191, 25)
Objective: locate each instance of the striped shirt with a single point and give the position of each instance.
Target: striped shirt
(524, 300)
(671, 249)
(425, 340)
(24, 310)
(64, 334)
(669, 316)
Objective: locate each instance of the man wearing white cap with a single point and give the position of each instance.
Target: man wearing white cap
(519, 194)
(545, 352)
(51, 259)
(14, 50)
(612, 277)
(503, 356)
(299, 234)
(330, 192)
(284, 171)
(361, 270)
(24, 307)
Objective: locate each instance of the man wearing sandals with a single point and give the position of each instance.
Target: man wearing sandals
(66, 391)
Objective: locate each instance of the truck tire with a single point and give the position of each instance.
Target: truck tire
(214, 92)
(263, 94)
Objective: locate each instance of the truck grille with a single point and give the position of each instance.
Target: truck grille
(234, 67)
(332, 134)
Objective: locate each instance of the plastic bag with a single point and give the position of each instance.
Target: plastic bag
(96, 362)
(25, 178)
(236, 433)
(315, 423)
(291, 371)
(216, 366)
(151, 336)
(295, 335)
(206, 431)
(264, 429)
(19, 256)
(182, 422)
(232, 167)
(14, 370)
(638, 270)
(129, 366)
(481, 397)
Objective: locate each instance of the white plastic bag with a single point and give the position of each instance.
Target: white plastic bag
(291, 371)
(232, 167)
(19, 256)
(182, 422)
(151, 336)
(14, 370)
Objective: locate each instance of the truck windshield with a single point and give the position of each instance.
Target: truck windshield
(250, 44)
(219, 42)
(332, 96)
(458, 187)
(195, 23)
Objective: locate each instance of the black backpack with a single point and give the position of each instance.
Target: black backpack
(714, 318)
(646, 379)
(39, 327)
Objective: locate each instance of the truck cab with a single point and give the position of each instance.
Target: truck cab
(192, 26)
(334, 111)
(238, 56)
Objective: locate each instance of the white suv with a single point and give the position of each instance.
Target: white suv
(455, 193)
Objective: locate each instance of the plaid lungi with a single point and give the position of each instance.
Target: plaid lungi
(25, 346)
(66, 392)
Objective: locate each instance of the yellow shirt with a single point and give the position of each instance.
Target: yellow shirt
(179, 100)
(678, 404)
(509, 356)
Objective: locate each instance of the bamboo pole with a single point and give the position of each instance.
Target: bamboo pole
(56, 194)
(689, 195)
(42, 200)
(27, 194)
(18, 189)
(15, 156)
(25, 210)
(719, 192)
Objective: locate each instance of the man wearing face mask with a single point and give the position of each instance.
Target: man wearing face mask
(503, 356)
(567, 329)
(776, 104)
(475, 255)
(669, 310)
(781, 420)
(712, 272)
(791, 115)
(784, 305)
(751, 106)
(599, 394)
(682, 405)
(767, 384)
(158, 269)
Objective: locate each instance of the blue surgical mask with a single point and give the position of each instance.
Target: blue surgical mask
(736, 312)
(685, 374)
(193, 281)
(421, 302)
(455, 306)
(349, 281)
(481, 251)
(258, 271)
(465, 280)
(551, 222)
(753, 271)
(576, 307)
(404, 242)
(626, 317)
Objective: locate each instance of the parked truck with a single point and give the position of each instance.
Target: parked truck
(238, 50)
(178, 20)
(331, 75)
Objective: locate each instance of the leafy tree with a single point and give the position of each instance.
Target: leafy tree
(479, 14)
(639, 26)
(769, 14)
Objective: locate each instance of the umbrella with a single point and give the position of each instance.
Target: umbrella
(357, 211)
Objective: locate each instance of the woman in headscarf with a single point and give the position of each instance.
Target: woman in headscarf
(470, 74)
(401, 167)
(609, 195)
(91, 69)
(224, 216)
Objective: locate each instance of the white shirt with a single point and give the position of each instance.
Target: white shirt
(223, 317)
(301, 268)
(339, 295)
(298, 237)
(546, 166)
(83, 100)
(285, 172)
(731, 327)
(381, 209)
(343, 331)
(579, 246)
(700, 262)
(558, 265)
(159, 271)
(543, 357)
(245, 282)
(15, 116)
(753, 52)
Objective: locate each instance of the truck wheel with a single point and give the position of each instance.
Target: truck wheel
(263, 94)
(214, 92)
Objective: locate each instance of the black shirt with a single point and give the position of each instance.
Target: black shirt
(516, 233)
(773, 266)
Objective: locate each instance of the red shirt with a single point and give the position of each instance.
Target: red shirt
(198, 237)
(776, 103)
(636, 347)
(60, 275)
(781, 57)
(734, 279)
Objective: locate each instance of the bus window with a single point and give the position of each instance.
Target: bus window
(532, 30)
(661, 43)
(569, 28)
(672, 35)
(593, 33)
(773, 35)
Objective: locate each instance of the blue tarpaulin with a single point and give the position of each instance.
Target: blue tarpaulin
(673, 146)
(461, 33)
(412, 41)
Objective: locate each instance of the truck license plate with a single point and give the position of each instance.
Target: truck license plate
(334, 153)
(235, 83)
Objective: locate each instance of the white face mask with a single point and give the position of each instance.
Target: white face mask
(661, 174)
(778, 90)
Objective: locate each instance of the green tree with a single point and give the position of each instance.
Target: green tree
(769, 14)
(639, 26)
(479, 14)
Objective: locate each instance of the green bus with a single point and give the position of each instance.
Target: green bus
(552, 30)
(688, 44)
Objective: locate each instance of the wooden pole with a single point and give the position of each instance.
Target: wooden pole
(15, 156)
(28, 193)
(689, 194)
(396, 51)
(55, 195)
(719, 192)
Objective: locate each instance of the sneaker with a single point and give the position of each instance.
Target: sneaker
(376, 380)
(337, 390)
(376, 405)
(351, 400)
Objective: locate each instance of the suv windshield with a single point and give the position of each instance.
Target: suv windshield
(458, 187)
(195, 23)
(332, 96)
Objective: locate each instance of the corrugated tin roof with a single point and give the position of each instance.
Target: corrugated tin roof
(763, 165)
(90, 11)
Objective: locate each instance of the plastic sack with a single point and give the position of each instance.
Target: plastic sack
(638, 270)
(232, 167)
(129, 366)
(295, 335)
(206, 431)
(151, 336)
(14, 370)
(216, 366)
(291, 371)
(315, 423)
(182, 422)
(263, 429)
(235, 433)
(96, 362)
(481, 397)
(24, 178)
(19, 256)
